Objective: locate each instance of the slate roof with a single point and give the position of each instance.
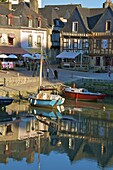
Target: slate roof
(4, 10)
(51, 12)
(88, 16)
(23, 10)
(62, 9)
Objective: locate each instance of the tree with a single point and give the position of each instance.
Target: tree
(3, 0)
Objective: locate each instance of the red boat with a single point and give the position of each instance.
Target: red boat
(82, 94)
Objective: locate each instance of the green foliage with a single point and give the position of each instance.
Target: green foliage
(3, 0)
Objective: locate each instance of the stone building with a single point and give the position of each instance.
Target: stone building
(21, 27)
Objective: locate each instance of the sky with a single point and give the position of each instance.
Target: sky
(84, 3)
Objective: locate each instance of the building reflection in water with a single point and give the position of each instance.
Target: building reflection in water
(79, 135)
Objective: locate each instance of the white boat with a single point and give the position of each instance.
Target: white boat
(43, 98)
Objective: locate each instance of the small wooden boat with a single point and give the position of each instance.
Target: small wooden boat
(43, 98)
(5, 101)
(82, 94)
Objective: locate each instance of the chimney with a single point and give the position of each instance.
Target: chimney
(7, 4)
(34, 5)
(107, 4)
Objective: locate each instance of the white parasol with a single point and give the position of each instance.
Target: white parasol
(3, 56)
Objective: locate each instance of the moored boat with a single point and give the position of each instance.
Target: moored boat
(5, 101)
(43, 98)
(82, 94)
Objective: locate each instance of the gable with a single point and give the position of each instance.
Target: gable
(100, 26)
(93, 20)
(75, 17)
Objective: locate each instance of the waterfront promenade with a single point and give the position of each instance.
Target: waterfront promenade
(22, 80)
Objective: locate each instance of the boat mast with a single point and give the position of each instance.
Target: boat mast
(40, 78)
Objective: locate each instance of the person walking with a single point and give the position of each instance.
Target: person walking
(47, 73)
(55, 74)
(109, 73)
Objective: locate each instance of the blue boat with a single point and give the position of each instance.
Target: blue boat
(5, 101)
(43, 99)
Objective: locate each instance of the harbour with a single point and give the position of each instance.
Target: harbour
(81, 137)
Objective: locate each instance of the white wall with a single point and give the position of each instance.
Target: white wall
(24, 38)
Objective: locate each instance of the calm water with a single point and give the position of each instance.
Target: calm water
(80, 137)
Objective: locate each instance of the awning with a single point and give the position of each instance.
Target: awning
(12, 50)
(69, 55)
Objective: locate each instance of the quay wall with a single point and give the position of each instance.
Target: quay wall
(22, 86)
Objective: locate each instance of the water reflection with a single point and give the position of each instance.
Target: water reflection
(78, 132)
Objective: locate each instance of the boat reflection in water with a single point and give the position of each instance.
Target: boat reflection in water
(44, 112)
(80, 136)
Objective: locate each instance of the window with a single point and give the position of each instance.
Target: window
(75, 43)
(39, 22)
(75, 27)
(10, 19)
(38, 41)
(71, 43)
(28, 127)
(11, 36)
(108, 25)
(30, 23)
(66, 43)
(10, 41)
(112, 44)
(97, 61)
(85, 43)
(30, 40)
(98, 44)
(104, 43)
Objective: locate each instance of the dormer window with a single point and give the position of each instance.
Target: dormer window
(39, 22)
(75, 27)
(30, 21)
(108, 25)
(10, 19)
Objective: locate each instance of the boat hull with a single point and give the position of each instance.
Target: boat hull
(49, 103)
(5, 101)
(42, 103)
(84, 96)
